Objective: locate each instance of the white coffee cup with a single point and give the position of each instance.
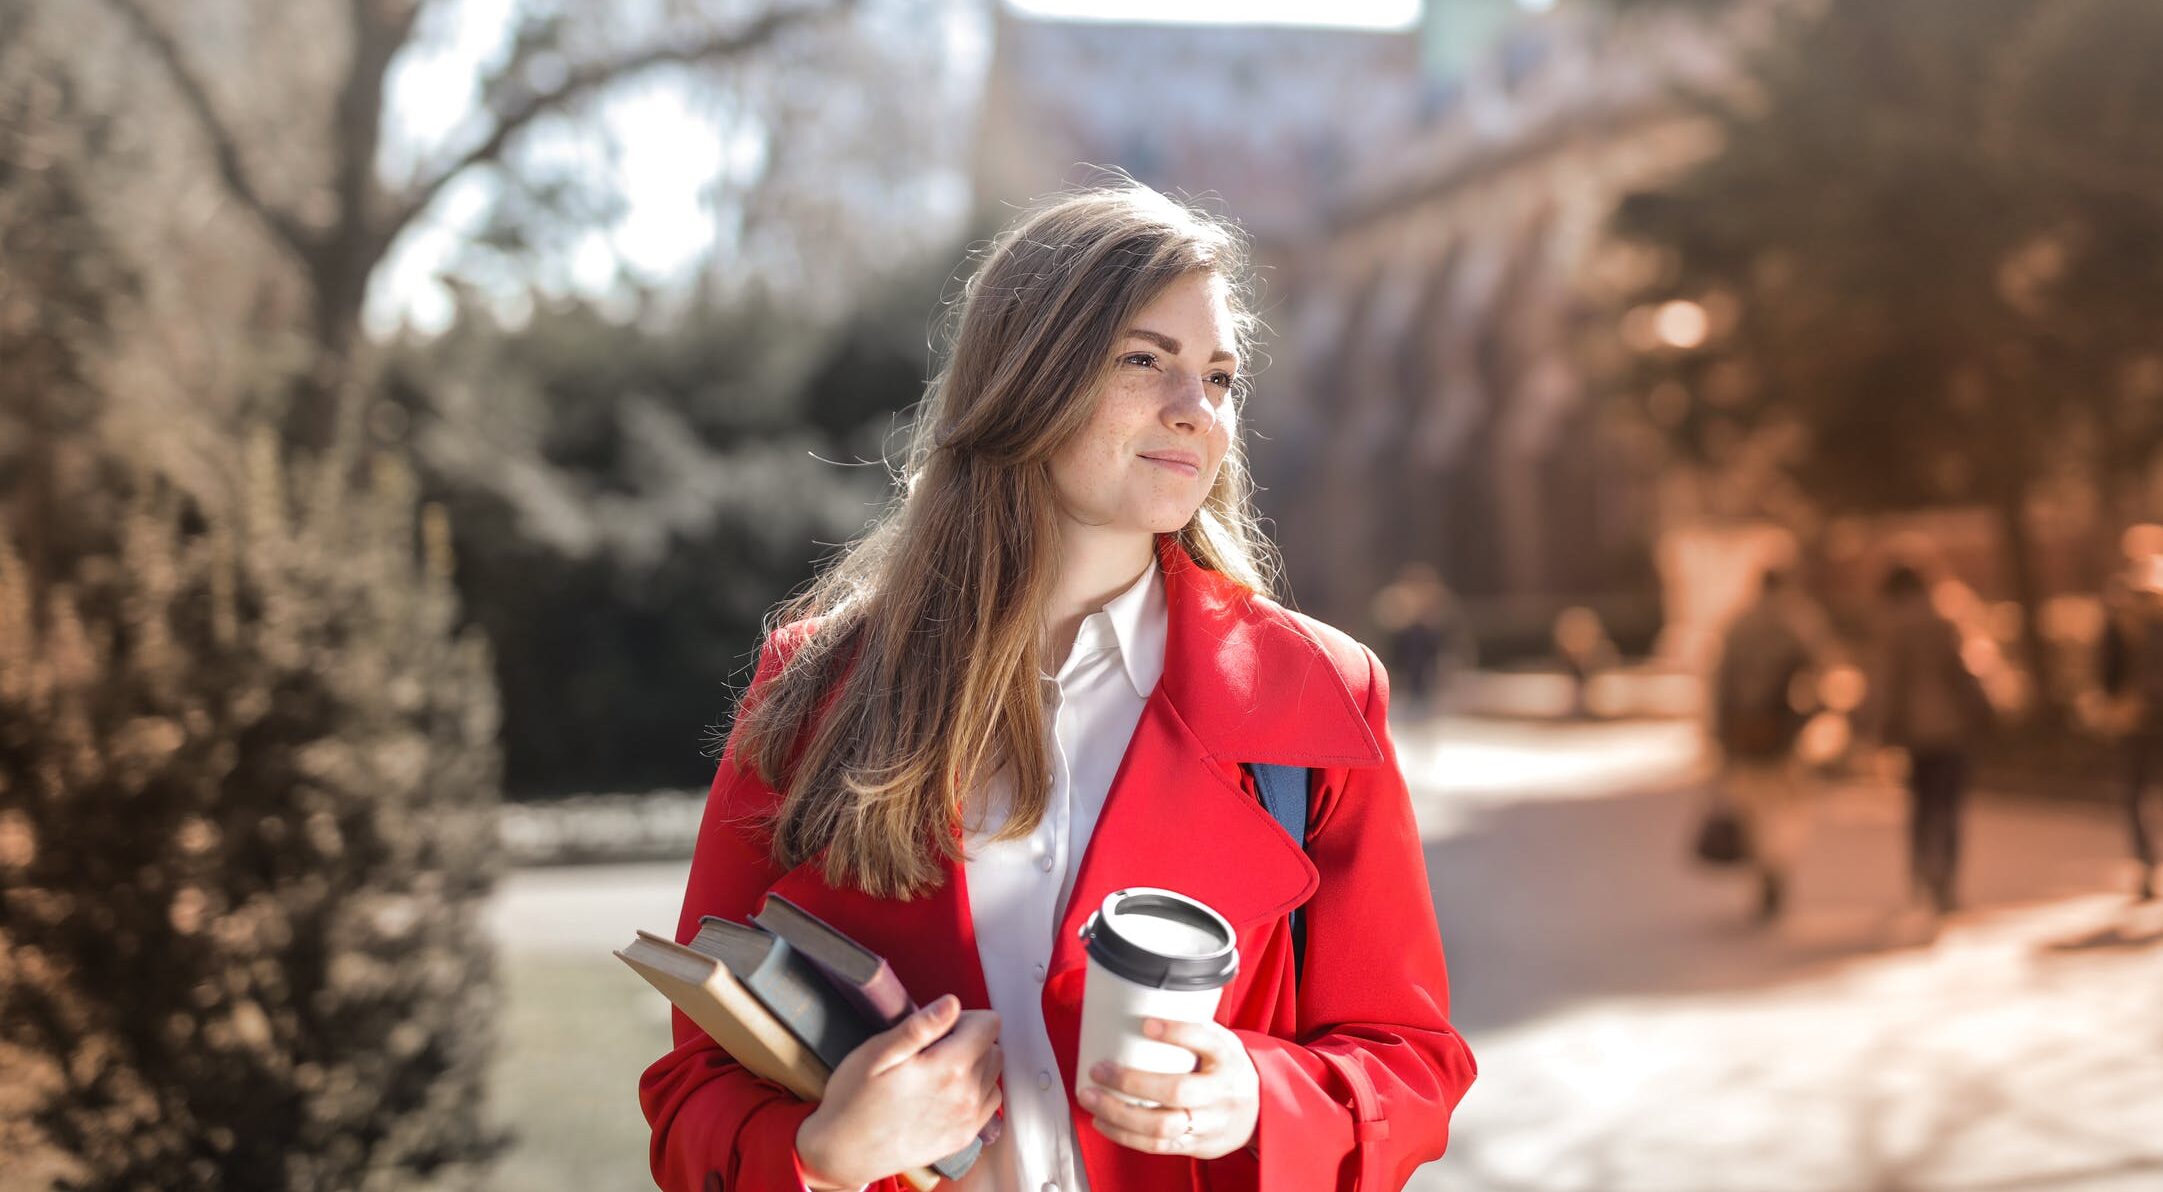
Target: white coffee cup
(1152, 954)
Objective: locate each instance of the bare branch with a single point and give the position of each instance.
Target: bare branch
(380, 29)
(288, 230)
(590, 78)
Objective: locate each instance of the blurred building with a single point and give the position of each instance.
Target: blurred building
(1439, 411)
(1425, 205)
(1262, 122)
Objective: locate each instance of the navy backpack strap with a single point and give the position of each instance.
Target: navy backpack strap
(1284, 792)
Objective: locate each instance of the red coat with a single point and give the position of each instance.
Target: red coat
(1358, 1077)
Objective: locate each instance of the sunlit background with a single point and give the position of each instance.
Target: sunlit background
(409, 409)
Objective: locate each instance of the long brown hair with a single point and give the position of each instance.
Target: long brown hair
(921, 681)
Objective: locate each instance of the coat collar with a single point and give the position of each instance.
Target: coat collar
(1251, 682)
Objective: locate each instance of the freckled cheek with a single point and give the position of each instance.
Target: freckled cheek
(1220, 446)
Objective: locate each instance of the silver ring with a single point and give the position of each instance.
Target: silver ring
(1190, 1121)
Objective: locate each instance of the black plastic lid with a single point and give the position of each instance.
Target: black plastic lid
(1145, 966)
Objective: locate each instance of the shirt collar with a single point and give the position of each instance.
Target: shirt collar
(1138, 618)
(1131, 623)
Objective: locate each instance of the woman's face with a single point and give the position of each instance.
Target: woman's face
(1162, 421)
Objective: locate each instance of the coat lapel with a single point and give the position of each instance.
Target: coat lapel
(1254, 684)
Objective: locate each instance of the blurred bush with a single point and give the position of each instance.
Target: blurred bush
(630, 496)
(247, 824)
(247, 770)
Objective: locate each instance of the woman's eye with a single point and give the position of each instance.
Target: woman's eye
(1222, 380)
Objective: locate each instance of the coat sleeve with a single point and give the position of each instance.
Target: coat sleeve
(716, 1127)
(1363, 1097)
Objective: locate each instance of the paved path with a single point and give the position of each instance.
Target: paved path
(1634, 1034)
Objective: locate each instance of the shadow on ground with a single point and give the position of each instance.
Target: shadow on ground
(1546, 902)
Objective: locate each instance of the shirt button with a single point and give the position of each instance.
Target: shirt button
(1040, 972)
(1043, 1081)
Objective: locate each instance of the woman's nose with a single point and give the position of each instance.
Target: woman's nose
(1188, 403)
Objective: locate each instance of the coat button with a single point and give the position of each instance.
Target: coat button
(1040, 972)
(1044, 862)
(1043, 1081)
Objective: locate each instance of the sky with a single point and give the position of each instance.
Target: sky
(1362, 14)
(663, 148)
(667, 149)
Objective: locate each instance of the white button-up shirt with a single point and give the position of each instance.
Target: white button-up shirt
(1018, 889)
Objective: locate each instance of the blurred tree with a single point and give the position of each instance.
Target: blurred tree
(247, 769)
(247, 759)
(630, 487)
(1923, 268)
(340, 227)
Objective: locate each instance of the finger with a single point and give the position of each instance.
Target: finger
(1207, 1040)
(1167, 1088)
(1135, 1119)
(914, 1033)
(1168, 1140)
(973, 1032)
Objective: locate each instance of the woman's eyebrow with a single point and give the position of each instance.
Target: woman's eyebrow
(1172, 345)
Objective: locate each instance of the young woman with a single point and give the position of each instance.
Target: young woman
(1033, 683)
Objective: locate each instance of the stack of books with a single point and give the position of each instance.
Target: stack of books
(788, 997)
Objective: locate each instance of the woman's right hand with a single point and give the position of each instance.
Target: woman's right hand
(906, 1097)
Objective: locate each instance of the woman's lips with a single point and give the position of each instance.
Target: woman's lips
(1181, 466)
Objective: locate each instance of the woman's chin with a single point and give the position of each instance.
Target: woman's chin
(1172, 521)
(1154, 517)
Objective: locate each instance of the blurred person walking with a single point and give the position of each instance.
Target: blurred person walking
(2130, 663)
(1428, 639)
(1584, 649)
(1924, 699)
(1766, 655)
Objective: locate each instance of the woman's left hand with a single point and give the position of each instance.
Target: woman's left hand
(1221, 1099)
